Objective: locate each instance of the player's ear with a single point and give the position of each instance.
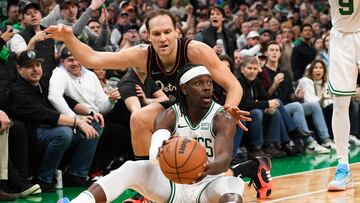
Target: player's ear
(183, 89)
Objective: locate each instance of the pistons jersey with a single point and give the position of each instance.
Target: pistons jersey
(167, 80)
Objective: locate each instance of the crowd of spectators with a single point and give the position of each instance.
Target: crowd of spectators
(278, 50)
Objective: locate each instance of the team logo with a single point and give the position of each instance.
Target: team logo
(31, 54)
(205, 126)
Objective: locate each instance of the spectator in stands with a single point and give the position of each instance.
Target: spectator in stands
(54, 132)
(32, 37)
(75, 81)
(130, 37)
(253, 45)
(287, 47)
(309, 87)
(241, 40)
(217, 31)
(262, 110)
(324, 54)
(69, 12)
(122, 22)
(304, 53)
(12, 12)
(47, 6)
(13, 135)
(144, 35)
(278, 84)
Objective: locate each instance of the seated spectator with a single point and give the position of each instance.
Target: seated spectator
(316, 90)
(262, 110)
(54, 132)
(75, 81)
(13, 134)
(279, 85)
(253, 45)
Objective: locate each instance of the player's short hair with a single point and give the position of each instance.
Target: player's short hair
(159, 13)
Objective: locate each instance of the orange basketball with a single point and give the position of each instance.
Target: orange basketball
(182, 159)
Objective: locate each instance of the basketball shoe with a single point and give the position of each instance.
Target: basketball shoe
(262, 180)
(342, 180)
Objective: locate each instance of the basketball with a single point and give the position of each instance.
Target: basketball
(182, 159)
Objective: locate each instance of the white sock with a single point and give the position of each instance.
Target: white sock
(84, 197)
(341, 127)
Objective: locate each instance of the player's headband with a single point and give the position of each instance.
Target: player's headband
(192, 73)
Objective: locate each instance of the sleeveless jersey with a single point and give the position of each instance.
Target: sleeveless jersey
(167, 80)
(345, 15)
(203, 132)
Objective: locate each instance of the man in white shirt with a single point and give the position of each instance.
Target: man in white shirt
(74, 80)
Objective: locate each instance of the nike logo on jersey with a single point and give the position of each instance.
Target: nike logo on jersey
(182, 126)
(155, 73)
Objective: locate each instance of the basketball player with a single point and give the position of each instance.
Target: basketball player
(343, 72)
(162, 60)
(195, 115)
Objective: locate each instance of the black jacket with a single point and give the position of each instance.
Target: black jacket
(210, 37)
(30, 104)
(254, 95)
(301, 56)
(8, 76)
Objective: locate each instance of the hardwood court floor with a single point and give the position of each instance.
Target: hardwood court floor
(300, 179)
(309, 187)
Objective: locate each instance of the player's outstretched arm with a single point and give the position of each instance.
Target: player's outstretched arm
(93, 59)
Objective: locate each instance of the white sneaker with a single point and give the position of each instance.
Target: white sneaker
(328, 144)
(353, 140)
(314, 147)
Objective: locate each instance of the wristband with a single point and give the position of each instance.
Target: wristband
(157, 139)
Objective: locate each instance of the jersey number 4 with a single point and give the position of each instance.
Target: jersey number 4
(347, 7)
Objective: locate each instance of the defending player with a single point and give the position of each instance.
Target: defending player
(194, 108)
(162, 60)
(343, 73)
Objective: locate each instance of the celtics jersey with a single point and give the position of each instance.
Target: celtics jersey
(345, 15)
(203, 132)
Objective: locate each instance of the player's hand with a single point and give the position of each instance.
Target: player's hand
(59, 32)
(238, 115)
(203, 174)
(165, 142)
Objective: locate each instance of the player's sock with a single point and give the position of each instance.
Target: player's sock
(341, 127)
(137, 158)
(246, 169)
(85, 196)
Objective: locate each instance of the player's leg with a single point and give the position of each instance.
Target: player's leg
(342, 83)
(130, 175)
(142, 127)
(221, 189)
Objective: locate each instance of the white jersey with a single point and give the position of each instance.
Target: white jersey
(345, 15)
(203, 132)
